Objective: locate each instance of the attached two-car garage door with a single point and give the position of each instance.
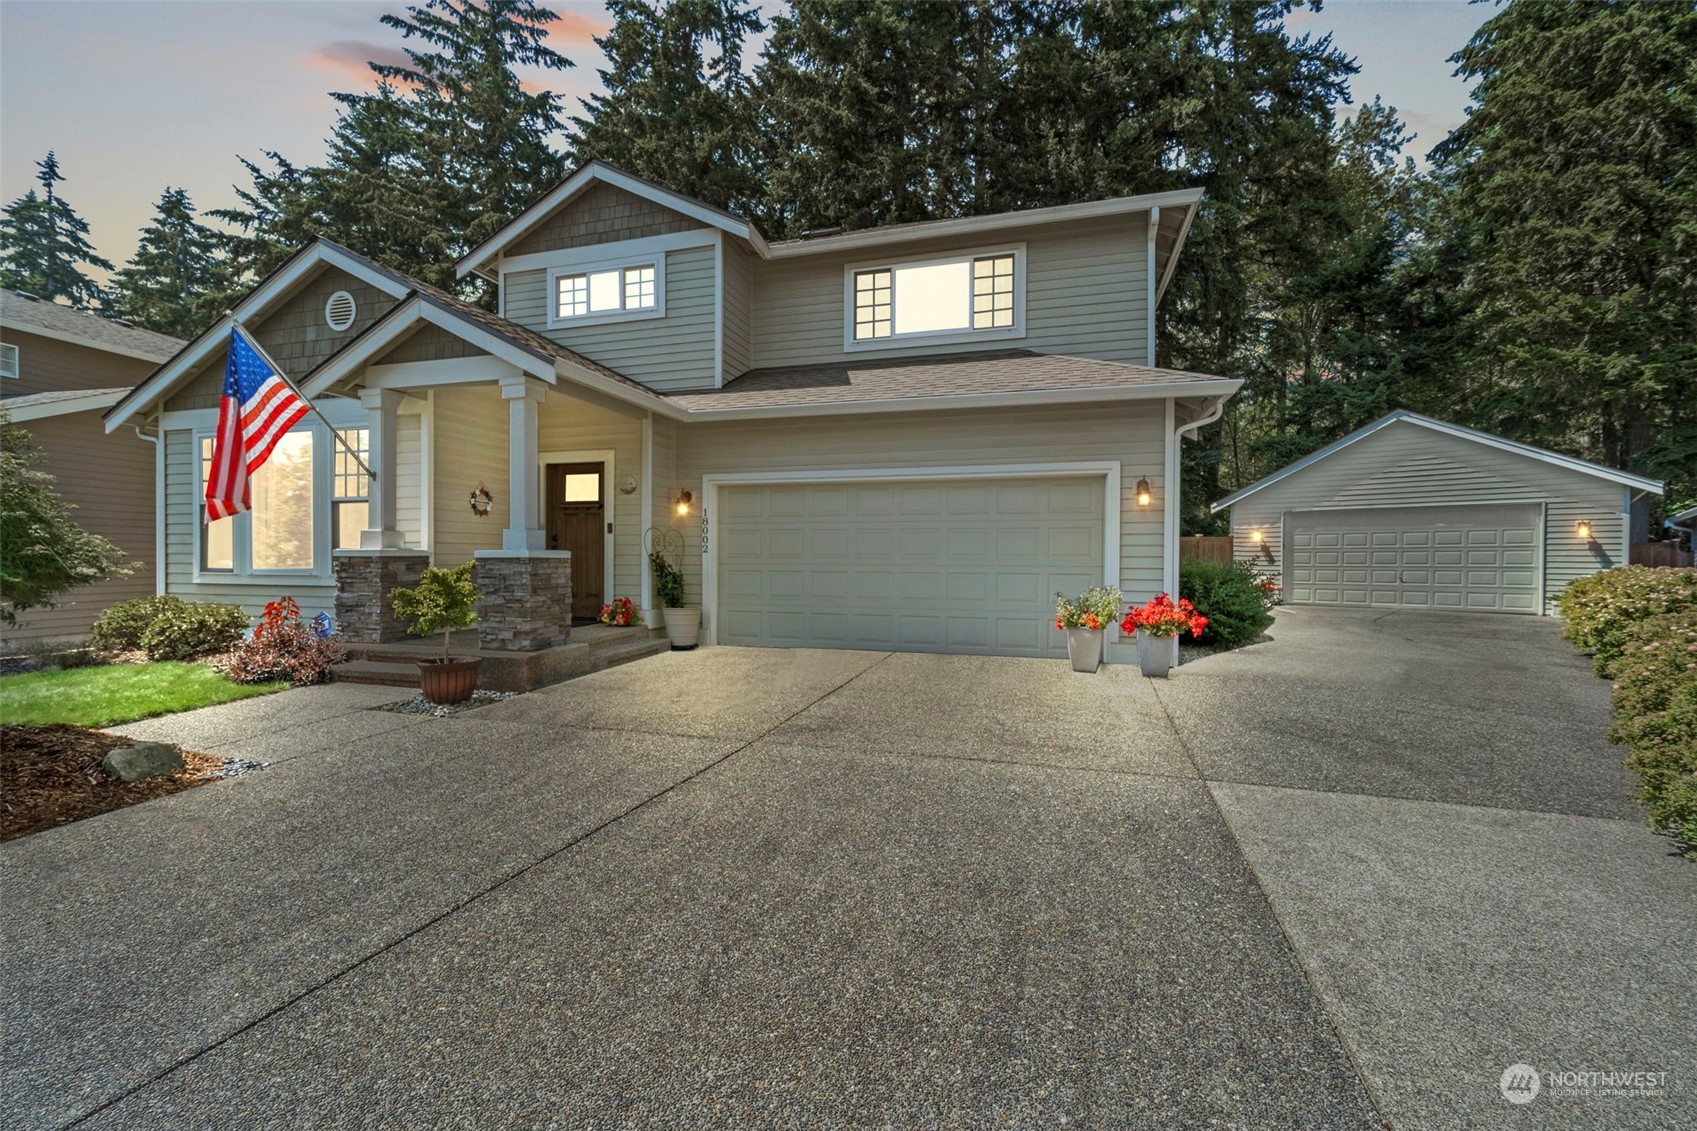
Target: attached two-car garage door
(1479, 558)
(933, 565)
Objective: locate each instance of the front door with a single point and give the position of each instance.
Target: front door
(577, 522)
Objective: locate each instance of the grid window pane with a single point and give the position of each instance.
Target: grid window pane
(871, 305)
(351, 480)
(217, 539)
(282, 506)
(573, 296)
(992, 292)
(639, 288)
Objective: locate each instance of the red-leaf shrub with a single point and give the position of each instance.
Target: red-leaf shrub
(281, 647)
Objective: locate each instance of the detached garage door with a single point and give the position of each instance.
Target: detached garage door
(1467, 558)
(923, 566)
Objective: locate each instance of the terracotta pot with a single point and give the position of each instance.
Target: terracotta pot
(1155, 654)
(448, 681)
(1084, 648)
(682, 628)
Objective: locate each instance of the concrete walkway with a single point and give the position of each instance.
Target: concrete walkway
(1342, 879)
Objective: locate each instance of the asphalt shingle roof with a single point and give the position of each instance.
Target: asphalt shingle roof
(26, 314)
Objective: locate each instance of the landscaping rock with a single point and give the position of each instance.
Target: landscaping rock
(143, 760)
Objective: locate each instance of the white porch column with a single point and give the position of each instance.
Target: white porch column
(381, 408)
(524, 522)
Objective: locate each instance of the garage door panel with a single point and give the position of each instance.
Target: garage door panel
(1482, 558)
(960, 566)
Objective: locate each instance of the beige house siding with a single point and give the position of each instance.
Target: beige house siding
(294, 334)
(567, 424)
(109, 480)
(46, 365)
(1086, 295)
(1131, 434)
(1408, 465)
(603, 213)
(410, 486)
(470, 445)
(674, 352)
(738, 270)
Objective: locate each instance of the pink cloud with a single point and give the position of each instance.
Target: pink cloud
(578, 29)
(348, 58)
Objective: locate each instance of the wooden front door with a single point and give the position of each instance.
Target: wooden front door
(577, 521)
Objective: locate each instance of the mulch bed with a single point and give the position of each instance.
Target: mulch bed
(51, 776)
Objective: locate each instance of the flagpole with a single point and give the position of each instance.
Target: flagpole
(335, 433)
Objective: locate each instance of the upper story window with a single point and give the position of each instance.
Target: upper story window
(962, 297)
(606, 293)
(8, 360)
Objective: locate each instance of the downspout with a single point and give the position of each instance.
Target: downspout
(158, 506)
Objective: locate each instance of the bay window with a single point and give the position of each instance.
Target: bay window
(956, 298)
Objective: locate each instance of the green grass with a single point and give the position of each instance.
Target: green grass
(117, 693)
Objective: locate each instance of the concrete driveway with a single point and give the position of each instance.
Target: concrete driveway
(1342, 879)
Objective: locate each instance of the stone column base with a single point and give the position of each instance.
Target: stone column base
(526, 601)
(364, 613)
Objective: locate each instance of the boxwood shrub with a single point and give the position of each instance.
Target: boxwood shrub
(1600, 612)
(1232, 597)
(1655, 705)
(195, 628)
(121, 627)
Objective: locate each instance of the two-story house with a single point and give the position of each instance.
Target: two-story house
(59, 370)
(907, 437)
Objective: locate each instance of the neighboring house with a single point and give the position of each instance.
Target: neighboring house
(906, 437)
(59, 370)
(1414, 513)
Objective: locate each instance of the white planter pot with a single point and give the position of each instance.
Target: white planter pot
(682, 628)
(1084, 648)
(1156, 654)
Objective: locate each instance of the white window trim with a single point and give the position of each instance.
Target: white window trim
(11, 361)
(935, 337)
(589, 267)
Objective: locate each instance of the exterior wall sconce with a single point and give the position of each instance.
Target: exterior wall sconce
(1144, 494)
(684, 500)
(1257, 537)
(1262, 550)
(1583, 530)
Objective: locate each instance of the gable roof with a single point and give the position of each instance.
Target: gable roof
(30, 315)
(1403, 416)
(477, 259)
(267, 293)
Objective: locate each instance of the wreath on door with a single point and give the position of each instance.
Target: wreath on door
(481, 501)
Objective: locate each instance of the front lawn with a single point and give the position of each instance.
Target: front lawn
(118, 693)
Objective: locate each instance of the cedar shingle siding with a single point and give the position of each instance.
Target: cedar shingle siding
(602, 214)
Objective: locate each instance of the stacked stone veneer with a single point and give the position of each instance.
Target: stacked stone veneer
(526, 601)
(364, 578)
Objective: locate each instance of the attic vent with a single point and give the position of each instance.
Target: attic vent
(339, 311)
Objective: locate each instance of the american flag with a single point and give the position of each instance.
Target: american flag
(258, 407)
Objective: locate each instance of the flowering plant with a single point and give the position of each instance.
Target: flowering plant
(1160, 617)
(1095, 610)
(620, 611)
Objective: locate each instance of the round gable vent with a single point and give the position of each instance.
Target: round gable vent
(339, 311)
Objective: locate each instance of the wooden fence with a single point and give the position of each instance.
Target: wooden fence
(1666, 554)
(1215, 549)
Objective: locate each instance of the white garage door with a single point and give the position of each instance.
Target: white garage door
(922, 566)
(1466, 558)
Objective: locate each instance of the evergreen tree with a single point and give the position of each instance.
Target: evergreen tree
(1574, 214)
(270, 222)
(676, 106)
(176, 283)
(42, 240)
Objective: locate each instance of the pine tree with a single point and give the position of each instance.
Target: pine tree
(676, 106)
(42, 240)
(271, 221)
(176, 283)
(1574, 214)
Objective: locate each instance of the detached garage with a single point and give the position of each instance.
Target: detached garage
(1414, 513)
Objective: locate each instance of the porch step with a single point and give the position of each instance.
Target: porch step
(396, 665)
(372, 671)
(624, 651)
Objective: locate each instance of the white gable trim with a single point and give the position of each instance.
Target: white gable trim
(405, 317)
(477, 260)
(25, 409)
(1568, 463)
(257, 304)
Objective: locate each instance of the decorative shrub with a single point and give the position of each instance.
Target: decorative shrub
(1599, 611)
(1655, 704)
(620, 611)
(121, 627)
(283, 647)
(1233, 597)
(1159, 616)
(194, 628)
(668, 580)
(444, 600)
(1096, 609)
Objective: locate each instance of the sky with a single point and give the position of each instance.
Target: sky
(135, 95)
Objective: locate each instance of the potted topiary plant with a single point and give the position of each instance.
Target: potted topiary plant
(1084, 621)
(683, 624)
(443, 601)
(1158, 623)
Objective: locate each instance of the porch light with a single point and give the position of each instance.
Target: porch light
(1584, 531)
(1144, 495)
(684, 500)
(1257, 536)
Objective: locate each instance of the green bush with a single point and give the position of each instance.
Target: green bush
(1655, 705)
(196, 628)
(1599, 612)
(121, 627)
(1233, 598)
(668, 580)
